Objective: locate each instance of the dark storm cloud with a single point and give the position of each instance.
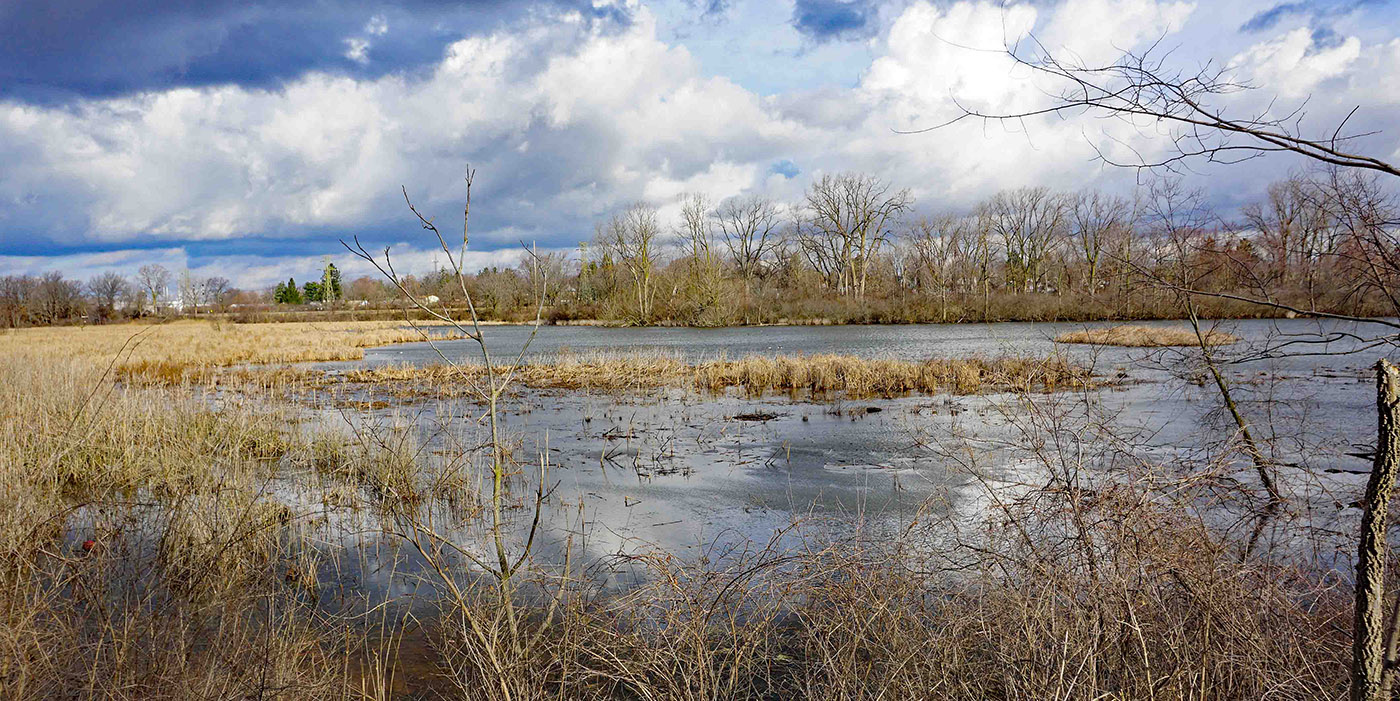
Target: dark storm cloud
(58, 49)
(831, 19)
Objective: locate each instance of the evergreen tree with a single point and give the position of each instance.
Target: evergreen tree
(287, 293)
(314, 292)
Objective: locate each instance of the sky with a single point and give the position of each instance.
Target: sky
(246, 139)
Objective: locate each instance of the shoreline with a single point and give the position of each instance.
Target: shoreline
(360, 317)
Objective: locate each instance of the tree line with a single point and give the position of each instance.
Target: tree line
(854, 249)
(52, 298)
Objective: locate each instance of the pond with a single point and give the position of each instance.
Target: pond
(690, 475)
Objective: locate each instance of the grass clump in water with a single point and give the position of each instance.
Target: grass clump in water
(1134, 336)
(818, 375)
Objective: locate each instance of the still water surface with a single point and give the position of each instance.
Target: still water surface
(669, 470)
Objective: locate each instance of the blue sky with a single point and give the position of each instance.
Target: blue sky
(244, 139)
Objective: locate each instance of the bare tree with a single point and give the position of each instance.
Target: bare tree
(153, 279)
(981, 252)
(215, 291)
(750, 225)
(1178, 218)
(106, 289)
(55, 299)
(937, 246)
(1364, 244)
(631, 236)
(1142, 89)
(546, 271)
(704, 271)
(1375, 656)
(506, 632)
(190, 292)
(1097, 222)
(1028, 222)
(15, 291)
(843, 222)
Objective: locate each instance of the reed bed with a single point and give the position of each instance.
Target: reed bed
(817, 375)
(145, 552)
(136, 541)
(1134, 336)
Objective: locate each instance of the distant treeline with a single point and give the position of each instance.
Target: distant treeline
(853, 250)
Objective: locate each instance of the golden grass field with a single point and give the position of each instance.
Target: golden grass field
(172, 350)
(1134, 336)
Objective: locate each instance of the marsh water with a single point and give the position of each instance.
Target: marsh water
(698, 476)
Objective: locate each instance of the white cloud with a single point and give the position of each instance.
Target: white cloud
(255, 272)
(567, 121)
(357, 49)
(1293, 66)
(1095, 32)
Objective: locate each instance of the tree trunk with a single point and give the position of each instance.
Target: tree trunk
(1370, 677)
(1256, 456)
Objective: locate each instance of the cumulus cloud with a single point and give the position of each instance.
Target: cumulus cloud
(56, 49)
(568, 119)
(1294, 66)
(249, 270)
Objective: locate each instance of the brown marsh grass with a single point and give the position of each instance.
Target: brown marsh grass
(201, 583)
(1157, 606)
(184, 545)
(1134, 336)
(818, 375)
(145, 553)
(180, 350)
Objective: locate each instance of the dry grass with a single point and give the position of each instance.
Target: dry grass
(818, 375)
(1158, 607)
(201, 583)
(199, 576)
(1134, 336)
(185, 350)
(862, 377)
(186, 544)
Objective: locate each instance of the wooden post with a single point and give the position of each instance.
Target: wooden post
(1369, 676)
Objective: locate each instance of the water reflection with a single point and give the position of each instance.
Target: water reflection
(671, 471)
